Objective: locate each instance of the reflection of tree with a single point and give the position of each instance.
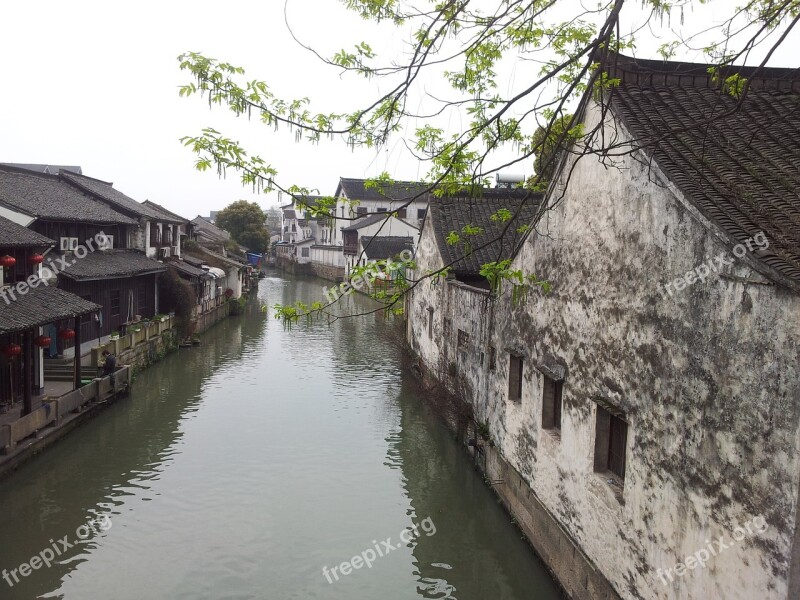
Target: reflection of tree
(476, 551)
(123, 448)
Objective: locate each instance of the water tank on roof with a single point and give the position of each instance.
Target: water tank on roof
(509, 180)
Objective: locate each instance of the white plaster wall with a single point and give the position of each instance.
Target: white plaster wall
(707, 377)
(328, 256)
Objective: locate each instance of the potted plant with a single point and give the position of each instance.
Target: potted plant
(114, 335)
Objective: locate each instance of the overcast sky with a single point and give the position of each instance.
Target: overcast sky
(96, 84)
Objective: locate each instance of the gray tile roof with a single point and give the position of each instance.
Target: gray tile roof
(203, 225)
(41, 305)
(42, 168)
(195, 262)
(383, 247)
(51, 198)
(167, 215)
(498, 240)
(186, 268)
(14, 234)
(367, 221)
(354, 189)
(112, 264)
(226, 259)
(105, 192)
(737, 161)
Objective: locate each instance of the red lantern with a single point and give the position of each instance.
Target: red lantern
(12, 350)
(42, 341)
(36, 259)
(228, 293)
(7, 261)
(67, 334)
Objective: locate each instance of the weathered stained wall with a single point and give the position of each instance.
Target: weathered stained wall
(707, 377)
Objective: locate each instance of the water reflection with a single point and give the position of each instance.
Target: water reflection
(242, 467)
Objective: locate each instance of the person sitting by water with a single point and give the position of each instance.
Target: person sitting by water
(109, 363)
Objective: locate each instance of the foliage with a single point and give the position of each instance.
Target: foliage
(550, 140)
(245, 222)
(567, 50)
(498, 272)
(237, 306)
(176, 294)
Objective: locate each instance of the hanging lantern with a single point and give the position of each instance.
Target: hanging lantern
(7, 261)
(36, 259)
(12, 349)
(228, 293)
(67, 334)
(42, 341)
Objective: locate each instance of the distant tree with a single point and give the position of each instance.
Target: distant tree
(245, 222)
(255, 238)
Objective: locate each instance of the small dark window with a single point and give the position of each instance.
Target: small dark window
(115, 303)
(515, 378)
(492, 358)
(401, 213)
(611, 440)
(421, 213)
(304, 252)
(551, 403)
(430, 322)
(361, 210)
(616, 446)
(463, 340)
(381, 210)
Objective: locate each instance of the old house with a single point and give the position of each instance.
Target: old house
(50, 206)
(181, 228)
(158, 231)
(355, 199)
(123, 281)
(208, 234)
(95, 255)
(28, 306)
(641, 420)
(372, 227)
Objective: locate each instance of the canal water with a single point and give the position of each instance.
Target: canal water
(254, 464)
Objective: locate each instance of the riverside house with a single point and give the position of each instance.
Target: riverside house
(27, 308)
(112, 269)
(650, 403)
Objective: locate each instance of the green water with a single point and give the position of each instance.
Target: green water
(241, 468)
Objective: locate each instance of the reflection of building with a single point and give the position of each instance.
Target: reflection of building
(473, 535)
(118, 457)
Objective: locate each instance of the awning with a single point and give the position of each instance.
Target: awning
(218, 273)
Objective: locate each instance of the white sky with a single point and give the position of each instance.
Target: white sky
(96, 84)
